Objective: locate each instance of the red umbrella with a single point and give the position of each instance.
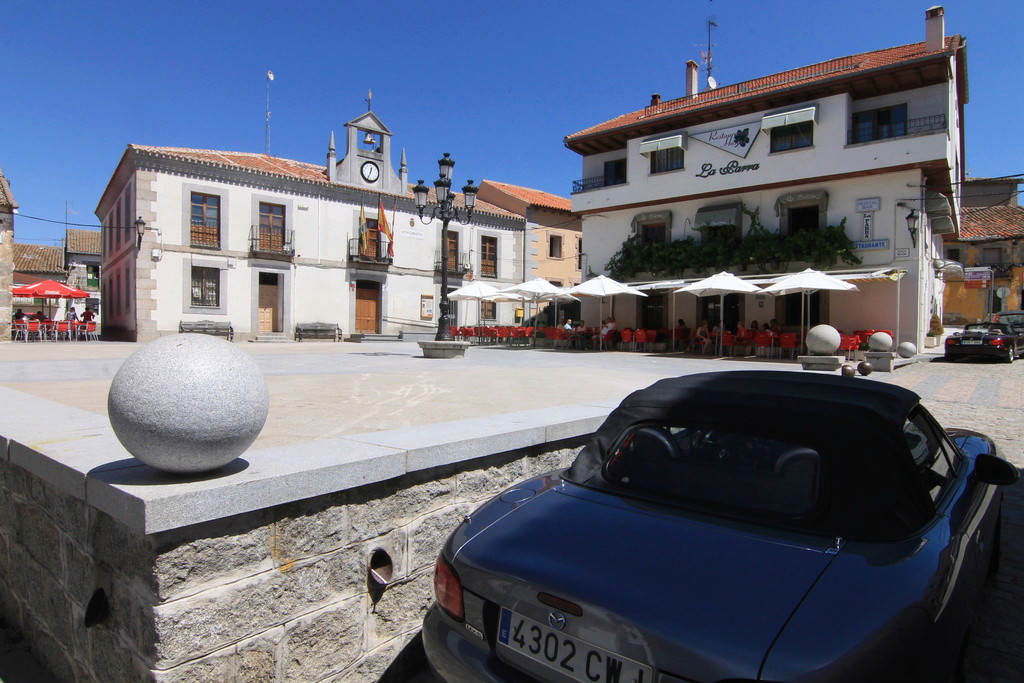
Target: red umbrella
(50, 289)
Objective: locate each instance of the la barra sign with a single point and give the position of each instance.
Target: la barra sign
(708, 170)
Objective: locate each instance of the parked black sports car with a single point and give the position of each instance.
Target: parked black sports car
(731, 526)
(993, 340)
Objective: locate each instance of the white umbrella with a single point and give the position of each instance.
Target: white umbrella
(481, 291)
(721, 284)
(537, 290)
(602, 286)
(807, 282)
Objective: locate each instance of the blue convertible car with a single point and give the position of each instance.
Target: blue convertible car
(731, 527)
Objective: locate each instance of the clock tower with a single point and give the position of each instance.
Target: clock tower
(367, 161)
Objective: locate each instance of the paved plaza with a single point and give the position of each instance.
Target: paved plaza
(323, 390)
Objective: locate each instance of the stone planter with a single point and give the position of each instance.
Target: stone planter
(443, 349)
(931, 342)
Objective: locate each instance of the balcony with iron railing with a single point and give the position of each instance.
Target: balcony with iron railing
(872, 132)
(369, 250)
(205, 235)
(457, 263)
(271, 243)
(488, 268)
(585, 184)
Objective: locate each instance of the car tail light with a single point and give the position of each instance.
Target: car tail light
(998, 341)
(950, 341)
(448, 589)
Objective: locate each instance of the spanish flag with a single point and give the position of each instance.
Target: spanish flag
(362, 229)
(384, 227)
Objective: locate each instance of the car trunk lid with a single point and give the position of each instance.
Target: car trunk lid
(676, 591)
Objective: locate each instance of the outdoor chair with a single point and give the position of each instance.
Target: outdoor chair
(788, 341)
(763, 343)
(728, 339)
(627, 343)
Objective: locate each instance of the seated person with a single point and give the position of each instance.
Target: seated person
(71, 314)
(88, 316)
(702, 338)
(682, 334)
(18, 315)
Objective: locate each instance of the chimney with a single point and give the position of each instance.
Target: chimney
(691, 78)
(934, 29)
(655, 99)
(332, 163)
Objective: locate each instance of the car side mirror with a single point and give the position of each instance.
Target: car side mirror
(991, 469)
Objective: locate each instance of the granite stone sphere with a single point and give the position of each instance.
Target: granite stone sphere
(188, 403)
(880, 341)
(906, 350)
(822, 340)
(865, 368)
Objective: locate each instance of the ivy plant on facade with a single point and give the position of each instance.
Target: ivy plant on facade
(721, 248)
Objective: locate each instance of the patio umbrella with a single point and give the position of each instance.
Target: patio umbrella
(721, 284)
(602, 286)
(49, 289)
(481, 291)
(807, 282)
(538, 290)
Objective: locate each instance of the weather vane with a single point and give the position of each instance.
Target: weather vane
(369, 100)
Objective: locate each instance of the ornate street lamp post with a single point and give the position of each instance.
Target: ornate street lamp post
(445, 210)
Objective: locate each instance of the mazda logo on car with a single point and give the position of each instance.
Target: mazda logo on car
(556, 620)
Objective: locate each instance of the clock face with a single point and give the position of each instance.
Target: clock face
(369, 171)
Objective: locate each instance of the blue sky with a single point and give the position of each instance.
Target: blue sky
(496, 84)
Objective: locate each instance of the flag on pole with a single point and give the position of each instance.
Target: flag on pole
(362, 228)
(384, 227)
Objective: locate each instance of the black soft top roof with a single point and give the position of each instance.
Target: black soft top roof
(856, 423)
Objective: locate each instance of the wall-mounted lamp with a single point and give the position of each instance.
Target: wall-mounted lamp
(140, 228)
(913, 218)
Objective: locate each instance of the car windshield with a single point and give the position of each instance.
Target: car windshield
(718, 467)
(987, 328)
(1014, 319)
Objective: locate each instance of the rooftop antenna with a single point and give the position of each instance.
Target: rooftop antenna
(706, 55)
(270, 77)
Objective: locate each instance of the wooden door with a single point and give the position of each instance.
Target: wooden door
(367, 307)
(268, 309)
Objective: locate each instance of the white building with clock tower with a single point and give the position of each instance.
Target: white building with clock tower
(266, 243)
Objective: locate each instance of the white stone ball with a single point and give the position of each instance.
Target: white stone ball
(880, 341)
(188, 403)
(906, 350)
(823, 340)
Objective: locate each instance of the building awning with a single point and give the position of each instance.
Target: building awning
(942, 225)
(857, 276)
(936, 204)
(666, 142)
(788, 118)
(809, 198)
(719, 215)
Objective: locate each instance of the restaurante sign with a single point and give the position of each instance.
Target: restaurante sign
(735, 140)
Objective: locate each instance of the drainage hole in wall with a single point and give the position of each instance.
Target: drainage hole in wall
(98, 609)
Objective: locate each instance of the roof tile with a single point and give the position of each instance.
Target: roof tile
(35, 258)
(980, 223)
(287, 168)
(83, 241)
(803, 76)
(534, 197)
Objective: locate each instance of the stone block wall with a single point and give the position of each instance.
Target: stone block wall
(276, 594)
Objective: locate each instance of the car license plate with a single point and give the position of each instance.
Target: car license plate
(575, 658)
(970, 341)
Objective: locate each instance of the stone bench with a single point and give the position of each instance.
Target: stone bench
(208, 327)
(317, 331)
